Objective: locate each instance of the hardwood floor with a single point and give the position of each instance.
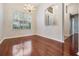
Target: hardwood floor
(41, 46)
(0, 49)
(71, 45)
(45, 46)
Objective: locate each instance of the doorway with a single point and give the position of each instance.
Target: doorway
(74, 33)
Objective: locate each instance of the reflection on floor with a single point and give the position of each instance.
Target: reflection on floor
(41, 46)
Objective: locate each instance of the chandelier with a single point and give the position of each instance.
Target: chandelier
(29, 8)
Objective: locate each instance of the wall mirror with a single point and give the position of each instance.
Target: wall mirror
(49, 15)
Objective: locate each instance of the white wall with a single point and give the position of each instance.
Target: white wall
(8, 31)
(54, 31)
(38, 24)
(71, 9)
(66, 22)
(1, 21)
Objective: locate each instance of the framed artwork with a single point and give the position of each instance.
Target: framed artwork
(21, 20)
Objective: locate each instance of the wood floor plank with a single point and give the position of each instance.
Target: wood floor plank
(41, 46)
(71, 48)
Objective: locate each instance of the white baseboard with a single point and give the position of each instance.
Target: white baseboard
(30, 35)
(1, 40)
(12, 37)
(67, 35)
(52, 38)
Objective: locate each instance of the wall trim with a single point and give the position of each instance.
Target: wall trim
(4, 38)
(67, 35)
(51, 38)
(1, 40)
(62, 41)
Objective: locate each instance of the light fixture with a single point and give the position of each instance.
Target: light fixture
(29, 8)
